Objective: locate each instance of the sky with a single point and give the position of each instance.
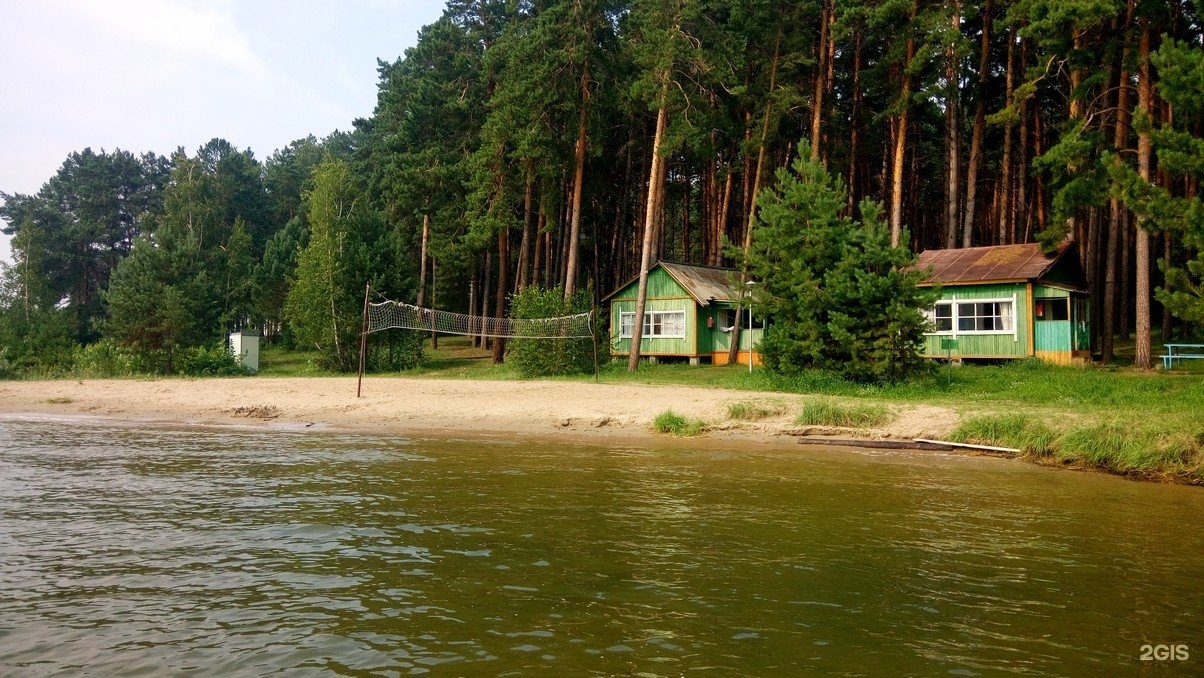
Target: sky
(153, 75)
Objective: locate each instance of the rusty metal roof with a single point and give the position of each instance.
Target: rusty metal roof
(704, 283)
(989, 264)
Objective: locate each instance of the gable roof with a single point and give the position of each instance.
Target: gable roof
(704, 284)
(999, 263)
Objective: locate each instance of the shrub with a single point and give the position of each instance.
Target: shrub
(829, 413)
(106, 358)
(395, 350)
(548, 357)
(7, 369)
(212, 361)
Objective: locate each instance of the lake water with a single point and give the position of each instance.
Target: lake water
(137, 550)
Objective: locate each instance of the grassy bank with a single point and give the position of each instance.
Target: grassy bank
(1139, 423)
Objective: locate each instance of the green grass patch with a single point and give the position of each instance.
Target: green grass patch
(755, 411)
(277, 361)
(59, 401)
(830, 413)
(1017, 431)
(674, 423)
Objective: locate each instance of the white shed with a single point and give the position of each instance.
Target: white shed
(245, 347)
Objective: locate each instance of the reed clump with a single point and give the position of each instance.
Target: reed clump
(678, 425)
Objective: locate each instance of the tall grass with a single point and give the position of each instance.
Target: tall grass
(830, 413)
(755, 411)
(1123, 447)
(1018, 431)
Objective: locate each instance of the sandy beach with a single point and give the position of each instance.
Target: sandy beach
(437, 406)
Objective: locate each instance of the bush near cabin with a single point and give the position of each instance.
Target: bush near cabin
(549, 357)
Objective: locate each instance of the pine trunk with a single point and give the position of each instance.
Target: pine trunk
(570, 279)
(1120, 136)
(503, 270)
(1141, 261)
(980, 122)
(900, 131)
(855, 120)
(952, 135)
(426, 235)
(637, 328)
(1005, 179)
(817, 101)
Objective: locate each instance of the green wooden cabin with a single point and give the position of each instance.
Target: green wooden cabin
(1008, 301)
(690, 312)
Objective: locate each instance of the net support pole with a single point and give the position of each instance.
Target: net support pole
(359, 384)
(593, 331)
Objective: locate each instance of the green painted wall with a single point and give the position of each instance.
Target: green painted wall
(987, 345)
(1053, 335)
(660, 285)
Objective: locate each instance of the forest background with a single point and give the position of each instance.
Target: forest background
(524, 144)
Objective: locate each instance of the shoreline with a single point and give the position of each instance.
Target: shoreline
(543, 409)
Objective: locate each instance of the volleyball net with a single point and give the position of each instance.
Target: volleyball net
(398, 315)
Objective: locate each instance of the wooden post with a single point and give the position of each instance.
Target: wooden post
(363, 341)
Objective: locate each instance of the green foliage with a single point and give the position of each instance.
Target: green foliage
(831, 413)
(109, 359)
(87, 217)
(1181, 154)
(7, 369)
(1018, 431)
(678, 425)
(839, 296)
(395, 350)
(549, 357)
(160, 301)
(325, 300)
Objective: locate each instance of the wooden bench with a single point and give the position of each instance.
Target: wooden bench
(1177, 353)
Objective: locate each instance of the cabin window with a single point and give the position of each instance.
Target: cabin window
(657, 324)
(984, 316)
(727, 319)
(975, 316)
(941, 316)
(1052, 308)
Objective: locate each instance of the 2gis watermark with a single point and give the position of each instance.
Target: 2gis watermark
(1162, 653)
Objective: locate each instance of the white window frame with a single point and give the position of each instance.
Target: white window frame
(930, 314)
(626, 326)
(956, 305)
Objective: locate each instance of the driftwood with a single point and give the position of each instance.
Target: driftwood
(916, 444)
(879, 444)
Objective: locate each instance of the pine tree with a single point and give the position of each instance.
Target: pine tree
(838, 294)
